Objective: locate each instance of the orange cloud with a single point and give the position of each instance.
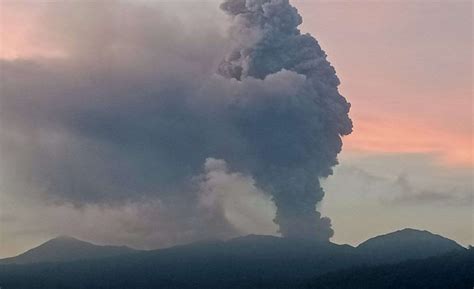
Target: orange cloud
(21, 34)
(400, 136)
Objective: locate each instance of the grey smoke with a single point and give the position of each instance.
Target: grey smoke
(109, 125)
(294, 139)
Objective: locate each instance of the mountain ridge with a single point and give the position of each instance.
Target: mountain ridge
(66, 248)
(407, 244)
(385, 248)
(254, 259)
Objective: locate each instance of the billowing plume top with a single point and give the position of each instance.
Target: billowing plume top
(266, 40)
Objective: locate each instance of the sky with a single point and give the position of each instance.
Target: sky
(405, 67)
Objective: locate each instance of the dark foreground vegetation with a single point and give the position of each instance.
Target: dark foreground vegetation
(451, 271)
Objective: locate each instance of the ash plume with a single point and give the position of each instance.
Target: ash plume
(139, 121)
(294, 139)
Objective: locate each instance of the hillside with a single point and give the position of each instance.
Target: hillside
(453, 270)
(407, 244)
(246, 262)
(64, 248)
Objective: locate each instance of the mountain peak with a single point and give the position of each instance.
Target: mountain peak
(413, 242)
(66, 248)
(411, 231)
(64, 238)
(254, 238)
(409, 234)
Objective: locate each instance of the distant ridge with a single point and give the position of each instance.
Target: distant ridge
(250, 262)
(407, 244)
(392, 247)
(66, 248)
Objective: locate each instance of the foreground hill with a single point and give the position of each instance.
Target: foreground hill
(246, 262)
(450, 271)
(231, 264)
(62, 249)
(407, 244)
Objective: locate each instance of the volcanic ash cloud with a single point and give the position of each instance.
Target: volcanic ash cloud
(292, 133)
(120, 126)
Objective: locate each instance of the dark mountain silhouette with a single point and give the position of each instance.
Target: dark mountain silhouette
(66, 248)
(246, 262)
(407, 244)
(213, 264)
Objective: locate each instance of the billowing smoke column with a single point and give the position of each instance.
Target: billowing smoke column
(148, 117)
(294, 138)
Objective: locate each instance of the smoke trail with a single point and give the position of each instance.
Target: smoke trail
(295, 138)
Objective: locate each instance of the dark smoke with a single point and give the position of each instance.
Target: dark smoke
(293, 139)
(138, 120)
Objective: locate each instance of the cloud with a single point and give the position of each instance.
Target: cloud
(405, 189)
(227, 205)
(133, 112)
(245, 206)
(412, 195)
(94, 139)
